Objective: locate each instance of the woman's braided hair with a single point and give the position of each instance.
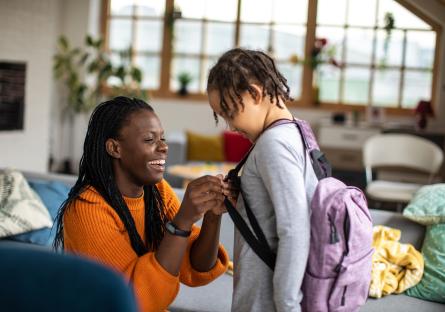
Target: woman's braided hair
(96, 170)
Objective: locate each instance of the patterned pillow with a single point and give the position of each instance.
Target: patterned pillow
(428, 205)
(432, 285)
(52, 194)
(21, 209)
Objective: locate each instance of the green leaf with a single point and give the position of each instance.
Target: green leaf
(63, 43)
(83, 59)
(99, 43)
(93, 67)
(74, 52)
(136, 74)
(120, 73)
(89, 41)
(105, 72)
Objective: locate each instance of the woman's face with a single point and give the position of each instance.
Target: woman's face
(142, 149)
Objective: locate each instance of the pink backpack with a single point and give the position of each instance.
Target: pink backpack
(338, 272)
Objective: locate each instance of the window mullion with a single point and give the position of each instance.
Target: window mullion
(343, 57)
(133, 35)
(105, 18)
(307, 96)
(203, 54)
(238, 24)
(167, 46)
(373, 56)
(402, 70)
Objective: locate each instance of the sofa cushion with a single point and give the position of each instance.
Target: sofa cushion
(53, 194)
(204, 147)
(21, 209)
(432, 285)
(428, 205)
(235, 146)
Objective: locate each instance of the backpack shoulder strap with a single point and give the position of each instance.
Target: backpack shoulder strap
(261, 248)
(320, 164)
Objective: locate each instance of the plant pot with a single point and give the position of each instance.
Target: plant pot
(316, 94)
(183, 91)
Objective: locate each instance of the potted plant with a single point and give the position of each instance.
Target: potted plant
(184, 79)
(85, 73)
(321, 53)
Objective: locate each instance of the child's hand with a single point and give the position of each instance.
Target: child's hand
(231, 191)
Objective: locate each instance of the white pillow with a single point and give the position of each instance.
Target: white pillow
(21, 209)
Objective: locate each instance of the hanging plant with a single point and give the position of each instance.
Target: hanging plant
(388, 27)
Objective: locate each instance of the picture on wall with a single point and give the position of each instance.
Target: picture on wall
(12, 95)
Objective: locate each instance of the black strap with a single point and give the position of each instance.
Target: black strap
(263, 251)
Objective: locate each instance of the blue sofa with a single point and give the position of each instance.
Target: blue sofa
(216, 297)
(39, 280)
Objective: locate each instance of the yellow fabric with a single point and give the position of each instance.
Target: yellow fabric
(204, 147)
(395, 266)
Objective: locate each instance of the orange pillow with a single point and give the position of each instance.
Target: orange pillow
(204, 147)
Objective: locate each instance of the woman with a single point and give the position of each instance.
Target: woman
(122, 213)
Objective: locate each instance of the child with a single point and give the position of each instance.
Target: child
(122, 213)
(277, 181)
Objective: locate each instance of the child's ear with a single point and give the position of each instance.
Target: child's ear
(113, 148)
(257, 93)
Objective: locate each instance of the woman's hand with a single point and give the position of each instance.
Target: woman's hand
(231, 191)
(202, 195)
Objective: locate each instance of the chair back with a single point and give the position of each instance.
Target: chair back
(402, 150)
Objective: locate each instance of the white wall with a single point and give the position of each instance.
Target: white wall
(76, 19)
(28, 32)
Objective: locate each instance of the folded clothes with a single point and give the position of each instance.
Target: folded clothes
(395, 266)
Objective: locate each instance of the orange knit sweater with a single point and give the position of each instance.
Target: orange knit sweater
(93, 228)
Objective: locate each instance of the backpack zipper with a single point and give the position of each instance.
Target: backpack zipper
(333, 237)
(343, 297)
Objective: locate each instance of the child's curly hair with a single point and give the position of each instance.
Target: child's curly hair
(237, 69)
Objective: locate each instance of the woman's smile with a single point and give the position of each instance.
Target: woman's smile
(158, 165)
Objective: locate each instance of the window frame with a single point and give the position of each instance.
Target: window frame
(306, 99)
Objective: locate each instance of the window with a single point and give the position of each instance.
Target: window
(205, 30)
(170, 37)
(388, 68)
(137, 26)
(278, 27)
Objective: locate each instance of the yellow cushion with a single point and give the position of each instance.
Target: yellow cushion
(204, 147)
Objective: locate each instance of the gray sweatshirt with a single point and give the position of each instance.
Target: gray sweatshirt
(278, 183)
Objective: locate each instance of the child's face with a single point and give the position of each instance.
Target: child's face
(142, 149)
(248, 121)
